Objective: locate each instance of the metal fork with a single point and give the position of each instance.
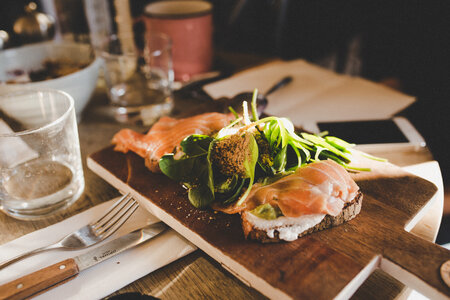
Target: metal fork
(90, 234)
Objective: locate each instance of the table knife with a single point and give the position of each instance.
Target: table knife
(63, 271)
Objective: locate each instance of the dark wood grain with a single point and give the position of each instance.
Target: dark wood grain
(320, 265)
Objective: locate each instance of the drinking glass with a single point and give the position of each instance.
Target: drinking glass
(139, 76)
(40, 160)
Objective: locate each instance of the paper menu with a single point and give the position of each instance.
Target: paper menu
(315, 94)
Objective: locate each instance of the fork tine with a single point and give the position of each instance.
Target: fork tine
(114, 217)
(112, 211)
(117, 222)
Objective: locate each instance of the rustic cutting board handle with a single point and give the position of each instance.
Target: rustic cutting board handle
(39, 281)
(416, 263)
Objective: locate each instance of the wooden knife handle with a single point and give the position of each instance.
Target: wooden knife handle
(40, 281)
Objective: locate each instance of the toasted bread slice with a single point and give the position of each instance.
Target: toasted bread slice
(350, 210)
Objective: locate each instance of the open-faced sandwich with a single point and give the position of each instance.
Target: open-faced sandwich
(284, 184)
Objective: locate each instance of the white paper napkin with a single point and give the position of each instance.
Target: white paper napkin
(106, 277)
(315, 94)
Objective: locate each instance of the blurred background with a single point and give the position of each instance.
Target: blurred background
(402, 44)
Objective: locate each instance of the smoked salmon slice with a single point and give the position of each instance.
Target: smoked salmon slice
(322, 187)
(167, 134)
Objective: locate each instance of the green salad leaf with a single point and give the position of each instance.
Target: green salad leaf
(196, 144)
(192, 169)
(201, 195)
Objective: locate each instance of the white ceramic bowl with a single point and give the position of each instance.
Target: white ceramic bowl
(80, 84)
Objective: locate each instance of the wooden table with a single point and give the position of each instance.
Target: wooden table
(196, 275)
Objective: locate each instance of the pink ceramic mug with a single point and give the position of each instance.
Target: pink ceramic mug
(189, 24)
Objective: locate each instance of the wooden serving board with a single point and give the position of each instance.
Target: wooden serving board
(329, 264)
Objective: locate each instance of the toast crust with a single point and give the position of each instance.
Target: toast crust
(350, 210)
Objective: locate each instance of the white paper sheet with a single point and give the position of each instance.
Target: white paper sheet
(315, 94)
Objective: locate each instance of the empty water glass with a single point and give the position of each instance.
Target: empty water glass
(138, 76)
(40, 160)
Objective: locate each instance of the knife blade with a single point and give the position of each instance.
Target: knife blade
(63, 271)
